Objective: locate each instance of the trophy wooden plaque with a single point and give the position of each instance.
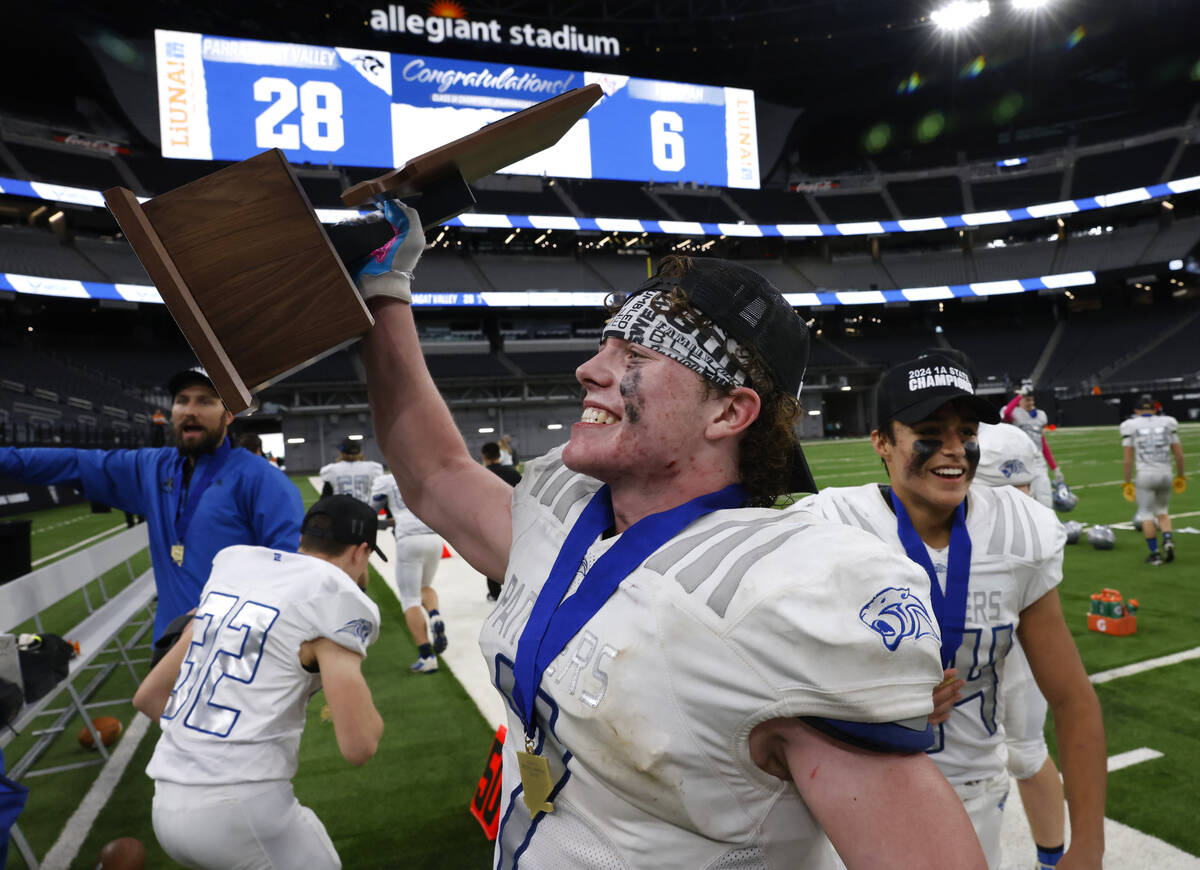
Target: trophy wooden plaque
(254, 280)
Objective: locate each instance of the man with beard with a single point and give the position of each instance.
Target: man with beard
(198, 497)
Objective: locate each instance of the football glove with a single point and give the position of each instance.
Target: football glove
(388, 271)
(1058, 475)
(1127, 491)
(1179, 484)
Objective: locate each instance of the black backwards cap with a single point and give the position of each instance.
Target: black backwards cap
(752, 310)
(350, 447)
(913, 390)
(352, 522)
(189, 378)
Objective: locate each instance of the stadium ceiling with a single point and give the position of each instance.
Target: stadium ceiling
(849, 80)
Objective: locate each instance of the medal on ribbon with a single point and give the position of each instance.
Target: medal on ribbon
(177, 554)
(555, 618)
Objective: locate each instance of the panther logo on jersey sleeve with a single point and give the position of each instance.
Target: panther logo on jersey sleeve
(360, 628)
(895, 614)
(1013, 467)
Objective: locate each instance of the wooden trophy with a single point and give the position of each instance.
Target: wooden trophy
(256, 283)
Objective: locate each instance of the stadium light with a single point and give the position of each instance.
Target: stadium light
(295, 441)
(1029, 5)
(960, 14)
(486, 430)
(553, 426)
(355, 437)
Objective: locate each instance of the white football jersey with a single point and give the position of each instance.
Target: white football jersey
(1031, 423)
(385, 492)
(1006, 456)
(1016, 558)
(352, 478)
(746, 616)
(237, 709)
(1151, 437)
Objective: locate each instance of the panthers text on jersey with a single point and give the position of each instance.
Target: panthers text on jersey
(236, 712)
(747, 615)
(1151, 437)
(384, 491)
(352, 478)
(1016, 558)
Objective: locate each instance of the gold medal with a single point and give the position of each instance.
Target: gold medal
(177, 553)
(536, 781)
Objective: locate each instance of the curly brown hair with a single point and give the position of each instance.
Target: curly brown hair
(767, 451)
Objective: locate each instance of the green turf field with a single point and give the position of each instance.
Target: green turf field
(408, 805)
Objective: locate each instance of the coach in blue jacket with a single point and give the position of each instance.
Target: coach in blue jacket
(198, 497)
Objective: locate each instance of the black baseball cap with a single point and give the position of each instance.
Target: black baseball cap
(189, 378)
(353, 522)
(752, 310)
(1145, 400)
(913, 390)
(350, 447)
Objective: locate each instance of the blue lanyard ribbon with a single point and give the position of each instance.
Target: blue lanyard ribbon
(195, 489)
(949, 608)
(553, 622)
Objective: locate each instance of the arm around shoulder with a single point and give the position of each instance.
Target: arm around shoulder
(875, 807)
(356, 723)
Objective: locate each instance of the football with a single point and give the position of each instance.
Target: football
(125, 853)
(107, 727)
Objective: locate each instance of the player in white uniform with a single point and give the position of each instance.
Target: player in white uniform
(418, 554)
(1153, 439)
(656, 713)
(997, 557)
(272, 629)
(350, 474)
(1006, 458)
(1020, 412)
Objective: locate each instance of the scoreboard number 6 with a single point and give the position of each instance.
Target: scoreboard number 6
(320, 127)
(666, 140)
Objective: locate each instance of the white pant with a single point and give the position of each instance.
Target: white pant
(984, 801)
(1023, 713)
(417, 559)
(1153, 492)
(248, 826)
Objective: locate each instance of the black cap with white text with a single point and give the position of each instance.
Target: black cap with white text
(913, 390)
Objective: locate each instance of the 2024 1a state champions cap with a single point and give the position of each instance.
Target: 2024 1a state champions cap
(913, 390)
(352, 522)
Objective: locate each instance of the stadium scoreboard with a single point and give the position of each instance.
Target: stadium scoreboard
(228, 99)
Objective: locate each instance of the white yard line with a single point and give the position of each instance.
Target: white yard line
(1147, 665)
(76, 545)
(65, 849)
(1132, 757)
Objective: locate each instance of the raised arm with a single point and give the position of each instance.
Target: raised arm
(881, 810)
(438, 478)
(152, 695)
(1060, 675)
(1006, 413)
(356, 723)
(108, 476)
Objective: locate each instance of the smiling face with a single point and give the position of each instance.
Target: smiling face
(931, 463)
(199, 419)
(644, 416)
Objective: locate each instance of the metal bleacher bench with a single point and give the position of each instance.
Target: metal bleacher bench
(28, 596)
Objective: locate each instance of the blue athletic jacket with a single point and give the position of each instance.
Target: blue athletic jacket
(247, 502)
